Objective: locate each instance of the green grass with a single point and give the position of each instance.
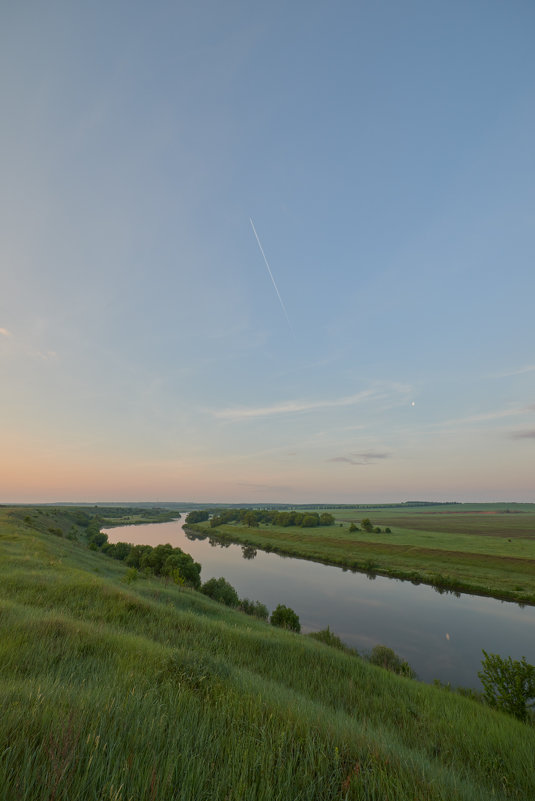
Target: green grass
(474, 548)
(151, 691)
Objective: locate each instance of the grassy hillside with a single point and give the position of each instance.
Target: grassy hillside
(144, 690)
(482, 548)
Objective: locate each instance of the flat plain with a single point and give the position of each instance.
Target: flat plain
(487, 549)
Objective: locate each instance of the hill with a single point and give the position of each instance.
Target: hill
(148, 690)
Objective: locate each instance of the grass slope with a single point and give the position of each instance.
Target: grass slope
(482, 548)
(137, 691)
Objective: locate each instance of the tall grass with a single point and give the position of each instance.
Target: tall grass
(151, 691)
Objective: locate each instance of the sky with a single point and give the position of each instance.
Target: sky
(267, 252)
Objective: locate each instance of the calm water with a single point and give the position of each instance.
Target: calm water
(441, 636)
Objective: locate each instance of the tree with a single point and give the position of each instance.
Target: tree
(254, 608)
(198, 516)
(508, 684)
(220, 590)
(285, 618)
(326, 519)
(388, 659)
(353, 528)
(366, 524)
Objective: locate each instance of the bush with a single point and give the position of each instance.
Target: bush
(508, 684)
(388, 659)
(285, 618)
(220, 590)
(333, 640)
(254, 608)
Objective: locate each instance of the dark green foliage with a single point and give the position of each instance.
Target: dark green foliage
(198, 516)
(285, 618)
(253, 518)
(366, 525)
(163, 560)
(98, 538)
(388, 659)
(254, 608)
(509, 684)
(353, 528)
(221, 590)
(329, 638)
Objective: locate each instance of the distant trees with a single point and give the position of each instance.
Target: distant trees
(257, 517)
(250, 519)
(367, 525)
(197, 516)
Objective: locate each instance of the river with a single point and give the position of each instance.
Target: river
(440, 635)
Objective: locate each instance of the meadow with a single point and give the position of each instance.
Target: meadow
(487, 549)
(122, 689)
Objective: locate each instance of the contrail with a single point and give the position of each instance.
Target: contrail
(271, 275)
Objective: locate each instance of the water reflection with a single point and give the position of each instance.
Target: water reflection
(248, 551)
(364, 609)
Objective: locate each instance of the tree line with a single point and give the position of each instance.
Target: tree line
(256, 517)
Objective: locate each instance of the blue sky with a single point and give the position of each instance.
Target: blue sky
(384, 152)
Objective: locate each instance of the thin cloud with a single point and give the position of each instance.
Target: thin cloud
(6, 333)
(530, 434)
(529, 368)
(370, 455)
(360, 459)
(292, 407)
(46, 356)
(486, 416)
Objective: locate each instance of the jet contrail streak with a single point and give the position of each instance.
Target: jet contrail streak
(270, 274)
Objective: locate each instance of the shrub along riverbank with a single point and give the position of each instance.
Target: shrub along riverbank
(152, 690)
(480, 552)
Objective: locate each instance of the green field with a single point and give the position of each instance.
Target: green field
(147, 690)
(482, 548)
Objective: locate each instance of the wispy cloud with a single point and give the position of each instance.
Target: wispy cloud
(487, 416)
(46, 356)
(6, 333)
(529, 434)
(293, 407)
(367, 458)
(529, 368)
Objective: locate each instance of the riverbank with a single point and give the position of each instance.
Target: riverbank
(498, 561)
(149, 690)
